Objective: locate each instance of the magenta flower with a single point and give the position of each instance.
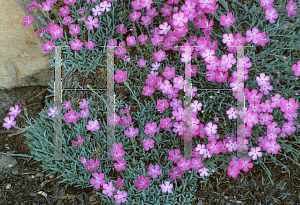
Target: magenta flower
(64, 11)
(84, 113)
(231, 113)
(98, 180)
(27, 21)
(48, 46)
(121, 29)
(151, 128)
(143, 184)
(92, 166)
(148, 143)
(90, 45)
(120, 182)
(126, 120)
(164, 28)
(131, 40)
(179, 82)
(120, 76)
(143, 39)
(160, 56)
(125, 111)
(56, 31)
(271, 15)
(176, 173)
(132, 132)
(71, 117)
(272, 147)
(228, 60)
(167, 187)
(96, 11)
(93, 126)
(67, 20)
(47, 5)
(291, 8)
(154, 172)
(120, 197)
(9, 122)
(121, 165)
(162, 105)
(165, 123)
(80, 141)
(184, 164)
(289, 106)
(255, 152)
(76, 44)
(227, 20)
(33, 6)
(83, 104)
(134, 16)
(169, 73)
(175, 156)
(70, 2)
(228, 39)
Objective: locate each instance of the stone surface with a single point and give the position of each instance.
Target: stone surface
(6, 163)
(21, 64)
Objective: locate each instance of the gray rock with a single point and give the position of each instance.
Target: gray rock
(7, 162)
(21, 64)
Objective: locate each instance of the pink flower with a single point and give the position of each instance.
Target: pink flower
(92, 22)
(120, 76)
(143, 39)
(143, 184)
(184, 164)
(296, 68)
(228, 60)
(33, 6)
(70, 2)
(81, 10)
(108, 189)
(175, 156)
(67, 20)
(245, 165)
(154, 172)
(289, 106)
(227, 20)
(120, 182)
(125, 111)
(160, 56)
(80, 141)
(83, 104)
(291, 8)
(166, 87)
(251, 35)
(132, 132)
(271, 15)
(233, 172)
(151, 128)
(167, 187)
(272, 147)
(131, 40)
(53, 112)
(228, 39)
(96, 11)
(47, 5)
(98, 180)
(82, 160)
(113, 120)
(76, 44)
(251, 118)
(148, 143)
(180, 19)
(121, 29)
(71, 117)
(64, 11)
(90, 45)
(74, 30)
(14, 111)
(211, 129)
(134, 16)
(288, 128)
(165, 123)
(265, 118)
(204, 171)
(162, 105)
(164, 28)
(231, 113)
(9, 122)
(48, 46)
(126, 120)
(120, 197)
(105, 6)
(84, 113)
(121, 165)
(92, 166)
(176, 173)
(266, 4)
(93, 126)
(179, 82)
(27, 21)
(255, 152)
